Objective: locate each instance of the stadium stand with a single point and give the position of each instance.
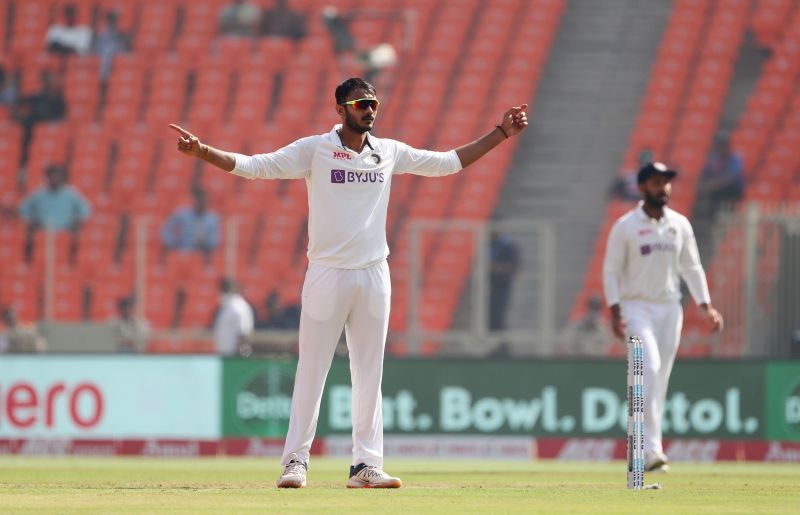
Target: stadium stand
(245, 95)
(767, 136)
(679, 117)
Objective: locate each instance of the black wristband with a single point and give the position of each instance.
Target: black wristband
(502, 130)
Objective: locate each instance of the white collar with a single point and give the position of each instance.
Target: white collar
(642, 214)
(337, 140)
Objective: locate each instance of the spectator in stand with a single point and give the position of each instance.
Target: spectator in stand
(130, 331)
(108, 43)
(589, 336)
(194, 228)
(282, 21)
(46, 105)
(722, 180)
(276, 316)
(233, 324)
(9, 87)
(239, 19)
(68, 37)
(370, 61)
(19, 337)
(504, 264)
(56, 206)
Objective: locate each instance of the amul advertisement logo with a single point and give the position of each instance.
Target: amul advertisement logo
(550, 399)
(783, 401)
(257, 397)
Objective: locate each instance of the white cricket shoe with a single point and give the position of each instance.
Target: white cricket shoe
(294, 474)
(656, 461)
(365, 476)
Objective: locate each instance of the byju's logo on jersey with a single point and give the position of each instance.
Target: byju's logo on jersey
(342, 177)
(337, 176)
(646, 250)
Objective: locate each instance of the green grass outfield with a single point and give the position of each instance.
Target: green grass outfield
(240, 485)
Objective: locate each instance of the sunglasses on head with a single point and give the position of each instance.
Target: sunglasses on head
(363, 103)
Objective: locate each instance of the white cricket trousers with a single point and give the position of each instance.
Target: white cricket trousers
(659, 325)
(357, 300)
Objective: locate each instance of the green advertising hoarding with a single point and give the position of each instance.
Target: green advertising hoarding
(550, 399)
(539, 398)
(256, 397)
(783, 401)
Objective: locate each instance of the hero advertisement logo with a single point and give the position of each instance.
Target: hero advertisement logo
(264, 402)
(345, 176)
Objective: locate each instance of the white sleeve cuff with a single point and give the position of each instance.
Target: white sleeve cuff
(242, 166)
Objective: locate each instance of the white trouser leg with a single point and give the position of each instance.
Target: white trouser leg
(366, 330)
(669, 321)
(640, 322)
(328, 295)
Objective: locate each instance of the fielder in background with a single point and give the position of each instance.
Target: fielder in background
(648, 249)
(348, 174)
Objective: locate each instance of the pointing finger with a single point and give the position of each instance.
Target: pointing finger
(181, 131)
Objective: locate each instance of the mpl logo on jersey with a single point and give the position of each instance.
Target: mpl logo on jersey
(345, 176)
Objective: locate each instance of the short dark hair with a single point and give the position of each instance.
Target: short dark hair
(55, 168)
(350, 85)
(228, 285)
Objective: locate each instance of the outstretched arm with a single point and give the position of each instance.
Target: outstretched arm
(190, 145)
(514, 121)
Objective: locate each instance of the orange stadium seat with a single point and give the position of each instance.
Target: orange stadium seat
(10, 148)
(21, 287)
(12, 238)
(49, 145)
(155, 36)
(81, 88)
(30, 27)
(769, 20)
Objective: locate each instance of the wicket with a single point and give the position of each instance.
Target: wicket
(635, 413)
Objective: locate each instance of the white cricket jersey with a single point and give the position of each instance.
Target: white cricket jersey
(645, 257)
(348, 191)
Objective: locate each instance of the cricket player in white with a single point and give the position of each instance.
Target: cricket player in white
(348, 174)
(647, 250)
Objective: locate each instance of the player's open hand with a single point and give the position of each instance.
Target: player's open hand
(515, 120)
(618, 325)
(188, 143)
(713, 318)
